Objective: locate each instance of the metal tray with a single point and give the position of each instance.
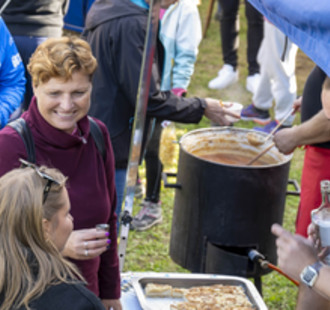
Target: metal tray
(187, 281)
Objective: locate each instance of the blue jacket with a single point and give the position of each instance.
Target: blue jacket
(75, 17)
(12, 79)
(180, 33)
(305, 22)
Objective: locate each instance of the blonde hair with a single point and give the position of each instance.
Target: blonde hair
(60, 58)
(29, 262)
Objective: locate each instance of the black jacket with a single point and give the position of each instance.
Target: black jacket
(65, 297)
(39, 18)
(116, 31)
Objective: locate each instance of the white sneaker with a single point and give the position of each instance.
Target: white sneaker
(252, 82)
(226, 76)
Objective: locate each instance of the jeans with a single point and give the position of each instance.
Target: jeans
(229, 27)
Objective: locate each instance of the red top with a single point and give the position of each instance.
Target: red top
(91, 186)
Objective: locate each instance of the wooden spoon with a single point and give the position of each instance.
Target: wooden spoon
(260, 154)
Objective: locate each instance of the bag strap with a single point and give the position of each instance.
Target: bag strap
(98, 137)
(25, 133)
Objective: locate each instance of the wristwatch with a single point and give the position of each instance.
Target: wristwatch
(310, 273)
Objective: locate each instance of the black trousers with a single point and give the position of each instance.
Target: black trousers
(229, 27)
(154, 166)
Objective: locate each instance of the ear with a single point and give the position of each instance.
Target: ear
(34, 89)
(47, 228)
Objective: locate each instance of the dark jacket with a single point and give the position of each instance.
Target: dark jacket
(91, 186)
(62, 296)
(65, 297)
(38, 18)
(116, 31)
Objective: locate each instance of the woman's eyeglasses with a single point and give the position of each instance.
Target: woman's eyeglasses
(43, 175)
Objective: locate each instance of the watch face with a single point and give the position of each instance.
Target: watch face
(309, 275)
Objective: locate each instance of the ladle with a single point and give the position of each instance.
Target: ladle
(260, 154)
(255, 139)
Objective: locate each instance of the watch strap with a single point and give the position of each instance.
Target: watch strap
(317, 266)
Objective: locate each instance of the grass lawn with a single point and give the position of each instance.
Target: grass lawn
(148, 251)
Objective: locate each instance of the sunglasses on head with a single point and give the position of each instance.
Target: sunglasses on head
(43, 175)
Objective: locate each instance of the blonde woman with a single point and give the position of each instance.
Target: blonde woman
(35, 223)
(61, 71)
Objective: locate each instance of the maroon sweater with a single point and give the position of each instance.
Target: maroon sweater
(91, 186)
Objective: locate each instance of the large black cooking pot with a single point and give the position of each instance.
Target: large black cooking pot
(222, 211)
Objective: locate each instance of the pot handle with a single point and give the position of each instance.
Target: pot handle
(296, 186)
(165, 176)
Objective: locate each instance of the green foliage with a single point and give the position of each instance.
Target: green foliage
(148, 251)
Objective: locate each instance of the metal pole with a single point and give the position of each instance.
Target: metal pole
(4, 6)
(138, 126)
(208, 17)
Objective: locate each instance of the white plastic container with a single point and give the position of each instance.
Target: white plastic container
(233, 107)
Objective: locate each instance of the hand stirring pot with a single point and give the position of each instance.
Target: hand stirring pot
(256, 139)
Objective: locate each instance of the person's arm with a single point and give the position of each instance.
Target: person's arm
(12, 79)
(315, 130)
(325, 97)
(188, 37)
(314, 298)
(322, 285)
(161, 104)
(294, 254)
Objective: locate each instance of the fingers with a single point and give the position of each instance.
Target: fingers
(93, 233)
(278, 230)
(93, 250)
(94, 243)
(87, 243)
(229, 113)
(297, 104)
(226, 104)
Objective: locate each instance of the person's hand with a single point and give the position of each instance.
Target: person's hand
(314, 236)
(297, 104)
(217, 113)
(285, 140)
(294, 251)
(112, 304)
(86, 244)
